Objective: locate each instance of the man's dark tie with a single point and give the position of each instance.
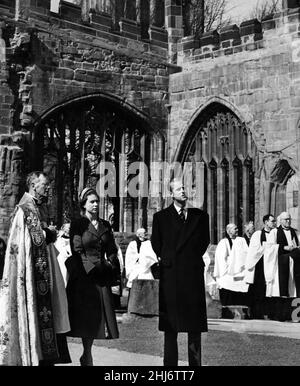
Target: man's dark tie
(181, 215)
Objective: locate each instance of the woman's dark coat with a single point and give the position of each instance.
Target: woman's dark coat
(89, 288)
(182, 305)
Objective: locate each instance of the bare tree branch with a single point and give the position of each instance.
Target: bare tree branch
(202, 16)
(264, 8)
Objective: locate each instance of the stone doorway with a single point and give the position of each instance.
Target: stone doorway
(72, 142)
(221, 151)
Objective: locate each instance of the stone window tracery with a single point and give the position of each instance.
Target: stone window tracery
(72, 145)
(220, 145)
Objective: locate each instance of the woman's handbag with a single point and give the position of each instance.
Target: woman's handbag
(106, 273)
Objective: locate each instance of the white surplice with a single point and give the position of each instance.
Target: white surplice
(229, 269)
(62, 244)
(210, 283)
(271, 268)
(138, 264)
(255, 253)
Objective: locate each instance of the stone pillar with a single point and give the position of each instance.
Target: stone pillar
(104, 6)
(13, 167)
(246, 195)
(87, 5)
(143, 180)
(2, 48)
(199, 171)
(157, 13)
(160, 157)
(186, 18)
(220, 205)
(268, 197)
(173, 19)
(117, 10)
(232, 197)
(22, 9)
(143, 16)
(273, 200)
(130, 9)
(212, 204)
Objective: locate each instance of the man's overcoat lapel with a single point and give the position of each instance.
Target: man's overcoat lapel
(185, 230)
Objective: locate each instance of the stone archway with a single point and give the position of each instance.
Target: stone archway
(74, 140)
(221, 148)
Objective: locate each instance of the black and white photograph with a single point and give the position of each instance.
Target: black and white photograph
(149, 186)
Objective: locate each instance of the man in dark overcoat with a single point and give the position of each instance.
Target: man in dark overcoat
(180, 237)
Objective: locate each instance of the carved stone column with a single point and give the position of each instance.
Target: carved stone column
(173, 12)
(143, 16)
(130, 9)
(117, 10)
(13, 168)
(2, 48)
(157, 13)
(22, 9)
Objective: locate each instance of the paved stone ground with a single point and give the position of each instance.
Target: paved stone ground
(104, 356)
(257, 327)
(140, 343)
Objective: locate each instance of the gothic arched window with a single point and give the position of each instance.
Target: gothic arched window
(221, 147)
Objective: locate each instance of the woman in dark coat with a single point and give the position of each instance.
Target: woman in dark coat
(93, 269)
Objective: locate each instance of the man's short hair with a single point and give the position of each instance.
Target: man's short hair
(266, 217)
(230, 226)
(249, 224)
(284, 214)
(140, 230)
(32, 176)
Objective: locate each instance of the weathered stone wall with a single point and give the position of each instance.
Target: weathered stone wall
(53, 57)
(72, 60)
(254, 70)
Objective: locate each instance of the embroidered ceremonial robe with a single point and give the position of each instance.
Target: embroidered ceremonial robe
(33, 301)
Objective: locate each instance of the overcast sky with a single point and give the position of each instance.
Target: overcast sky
(238, 9)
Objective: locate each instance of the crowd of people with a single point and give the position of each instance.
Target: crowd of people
(261, 270)
(69, 282)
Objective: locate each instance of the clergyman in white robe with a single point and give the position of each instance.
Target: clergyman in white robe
(138, 263)
(260, 271)
(229, 269)
(272, 268)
